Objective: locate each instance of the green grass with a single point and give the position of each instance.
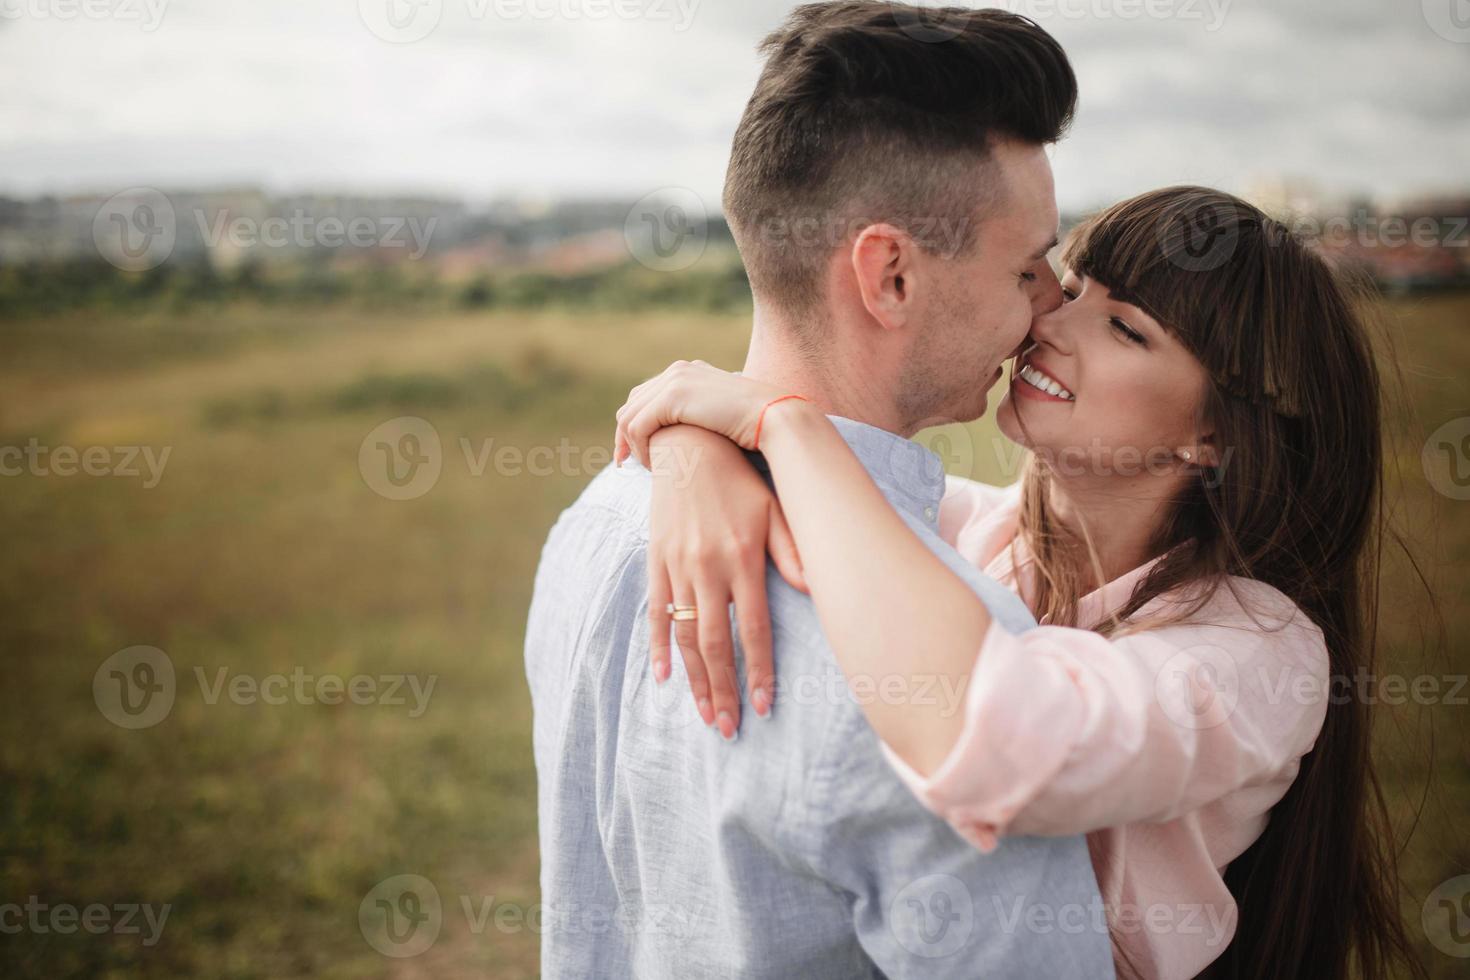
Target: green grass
(263, 550)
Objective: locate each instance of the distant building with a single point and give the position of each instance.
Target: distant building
(1405, 244)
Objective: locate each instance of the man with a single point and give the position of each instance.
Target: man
(891, 197)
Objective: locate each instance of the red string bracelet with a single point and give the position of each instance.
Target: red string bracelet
(760, 419)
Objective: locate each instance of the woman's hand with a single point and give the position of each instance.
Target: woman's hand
(712, 521)
(692, 392)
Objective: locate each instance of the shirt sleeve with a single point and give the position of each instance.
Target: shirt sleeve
(1067, 731)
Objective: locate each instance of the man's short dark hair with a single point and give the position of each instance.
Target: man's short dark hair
(871, 111)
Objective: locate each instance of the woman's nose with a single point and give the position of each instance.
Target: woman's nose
(1050, 327)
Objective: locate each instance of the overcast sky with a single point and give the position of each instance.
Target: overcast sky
(553, 98)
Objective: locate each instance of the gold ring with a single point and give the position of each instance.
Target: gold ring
(682, 613)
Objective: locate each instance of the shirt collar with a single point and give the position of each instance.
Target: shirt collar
(910, 476)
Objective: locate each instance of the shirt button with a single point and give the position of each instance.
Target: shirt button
(928, 513)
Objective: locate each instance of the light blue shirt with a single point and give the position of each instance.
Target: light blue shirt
(794, 851)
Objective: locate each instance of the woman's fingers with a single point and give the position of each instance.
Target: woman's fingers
(686, 635)
(659, 597)
(624, 445)
(640, 430)
(693, 392)
(754, 619)
(620, 442)
(782, 546)
(718, 651)
(640, 418)
(620, 447)
(637, 399)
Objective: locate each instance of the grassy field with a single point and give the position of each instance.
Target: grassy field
(268, 550)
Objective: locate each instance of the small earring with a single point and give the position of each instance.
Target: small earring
(1185, 454)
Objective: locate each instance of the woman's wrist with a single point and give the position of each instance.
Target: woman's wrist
(788, 422)
(677, 449)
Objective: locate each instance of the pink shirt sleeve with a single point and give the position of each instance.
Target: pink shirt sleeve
(1067, 731)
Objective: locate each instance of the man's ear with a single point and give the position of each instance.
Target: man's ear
(883, 259)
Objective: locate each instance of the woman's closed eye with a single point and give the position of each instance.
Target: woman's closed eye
(1128, 332)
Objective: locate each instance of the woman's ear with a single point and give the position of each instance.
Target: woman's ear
(883, 261)
(1204, 452)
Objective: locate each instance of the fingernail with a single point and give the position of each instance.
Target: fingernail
(762, 702)
(660, 671)
(706, 711)
(727, 726)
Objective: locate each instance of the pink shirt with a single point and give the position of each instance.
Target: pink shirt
(1167, 748)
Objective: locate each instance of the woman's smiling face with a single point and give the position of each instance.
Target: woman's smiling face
(1104, 390)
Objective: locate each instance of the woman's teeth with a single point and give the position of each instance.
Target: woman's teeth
(1049, 385)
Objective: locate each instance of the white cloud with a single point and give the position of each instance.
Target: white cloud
(299, 95)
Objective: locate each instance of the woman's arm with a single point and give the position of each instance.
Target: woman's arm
(1146, 727)
(896, 617)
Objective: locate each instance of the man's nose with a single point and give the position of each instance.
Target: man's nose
(1049, 326)
(1047, 291)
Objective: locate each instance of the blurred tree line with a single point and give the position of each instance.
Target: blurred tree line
(39, 288)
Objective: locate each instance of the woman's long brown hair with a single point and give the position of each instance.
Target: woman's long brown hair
(1295, 407)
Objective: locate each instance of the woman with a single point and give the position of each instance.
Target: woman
(1196, 531)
